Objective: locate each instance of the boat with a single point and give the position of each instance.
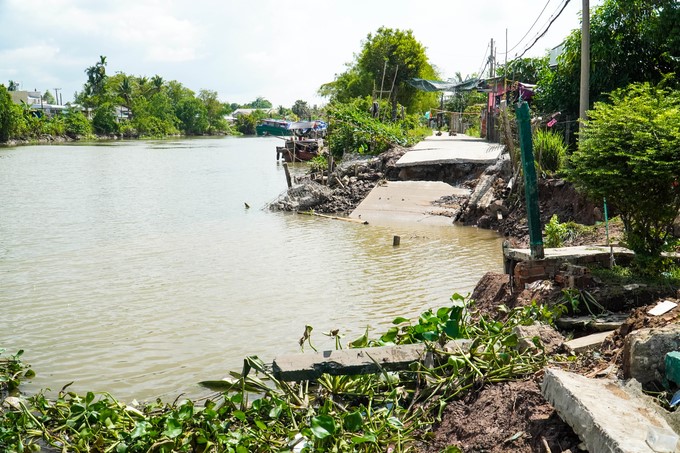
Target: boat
(305, 142)
(279, 128)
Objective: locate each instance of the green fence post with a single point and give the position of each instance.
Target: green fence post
(530, 182)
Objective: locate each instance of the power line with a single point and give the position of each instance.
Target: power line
(546, 29)
(529, 30)
(484, 62)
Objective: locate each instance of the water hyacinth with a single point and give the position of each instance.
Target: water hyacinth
(253, 411)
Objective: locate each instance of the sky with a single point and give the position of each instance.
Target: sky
(280, 50)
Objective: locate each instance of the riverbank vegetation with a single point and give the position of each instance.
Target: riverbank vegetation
(387, 411)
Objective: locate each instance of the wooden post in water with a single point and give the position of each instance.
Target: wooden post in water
(285, 168)
(396, 240)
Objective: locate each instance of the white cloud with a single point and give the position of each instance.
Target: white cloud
(249, 48)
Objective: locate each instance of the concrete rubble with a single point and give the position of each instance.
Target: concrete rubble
(645, 350)
(606, 416)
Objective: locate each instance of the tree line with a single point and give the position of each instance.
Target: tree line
(133, 107)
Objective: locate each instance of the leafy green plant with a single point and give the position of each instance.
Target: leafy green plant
(318, 164)
(12, 370)
(555, 232)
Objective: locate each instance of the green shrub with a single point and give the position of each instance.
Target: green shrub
(555, 232)
(76, 124)
(629, 152)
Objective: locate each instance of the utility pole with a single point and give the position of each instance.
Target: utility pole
(585, 61)
(56, 95)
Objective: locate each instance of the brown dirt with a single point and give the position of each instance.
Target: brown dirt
(508, 417)
(490, 419)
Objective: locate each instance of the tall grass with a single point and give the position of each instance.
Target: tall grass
(550, 151)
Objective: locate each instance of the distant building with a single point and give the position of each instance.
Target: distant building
(238, 112)
(35, 101)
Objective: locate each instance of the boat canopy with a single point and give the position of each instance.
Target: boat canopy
(313, 125)
(439, 85)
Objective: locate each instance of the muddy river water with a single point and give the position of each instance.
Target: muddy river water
(136, 268)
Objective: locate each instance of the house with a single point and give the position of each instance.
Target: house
(35, 101)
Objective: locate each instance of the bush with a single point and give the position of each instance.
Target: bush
(629, 153)
(104, 120)
(76, 124)
(555, 232)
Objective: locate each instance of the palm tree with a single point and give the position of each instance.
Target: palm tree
(125, 90)
(157, 82)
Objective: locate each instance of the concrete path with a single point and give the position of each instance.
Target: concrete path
(411, 201)
(407, 201)
(447, 149)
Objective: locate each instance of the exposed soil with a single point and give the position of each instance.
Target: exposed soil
(508, 417)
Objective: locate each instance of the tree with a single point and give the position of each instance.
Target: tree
(527, 70)
(214, 111)
(301, 109)
(13, 86)
(631, 41)
(48, 98)
(193, 116)
(629, 152)
(6, 114)
(259, 103)
(388, 59)
(104, 120)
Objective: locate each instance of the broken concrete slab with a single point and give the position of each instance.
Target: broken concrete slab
(304, 367)
(644, 352)
(435, 150)
(601, 412)
(550, 339)
(588, 342)
(573, 254)
(601, 323)
(406, 201)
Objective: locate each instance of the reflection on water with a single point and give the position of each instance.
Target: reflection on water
(136, 267)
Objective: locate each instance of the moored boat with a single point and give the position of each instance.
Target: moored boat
(279, 128)
(305, 143)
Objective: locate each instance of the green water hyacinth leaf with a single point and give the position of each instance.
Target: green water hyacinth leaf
(353, 421)
(173, 428)
(400, 320)
(510, 341)
(140, 430)
(395, 423)
(323, 426)
(368, 437)
(360, 342)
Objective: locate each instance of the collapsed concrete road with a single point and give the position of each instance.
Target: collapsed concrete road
(606, 416)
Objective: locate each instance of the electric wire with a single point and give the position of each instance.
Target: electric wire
(529, 30)
(566, 2)
(485, 61)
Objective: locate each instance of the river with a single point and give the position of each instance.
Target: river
(136, 268)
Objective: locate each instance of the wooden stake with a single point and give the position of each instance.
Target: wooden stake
(396, 240)
(285, 168)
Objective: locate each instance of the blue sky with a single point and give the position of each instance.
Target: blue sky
(279, 50)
